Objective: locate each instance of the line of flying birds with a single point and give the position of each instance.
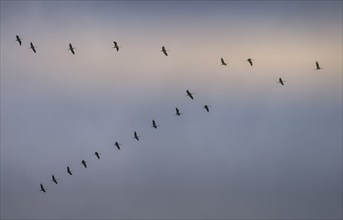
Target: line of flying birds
(154, 124)
(164, 51)
(117, 145)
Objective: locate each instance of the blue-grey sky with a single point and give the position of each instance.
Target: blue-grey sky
(263, 151)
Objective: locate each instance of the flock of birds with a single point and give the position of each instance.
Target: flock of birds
(154, 124)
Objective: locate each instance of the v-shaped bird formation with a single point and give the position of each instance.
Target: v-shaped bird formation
(154, 123)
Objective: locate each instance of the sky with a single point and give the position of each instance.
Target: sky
(262, 151)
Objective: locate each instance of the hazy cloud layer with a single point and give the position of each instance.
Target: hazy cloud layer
(263, 151)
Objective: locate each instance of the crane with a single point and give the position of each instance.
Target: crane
(136, 136)
(250, 61)
(207, 107)
(32, 47)
(54, 179)
(164, 51)
(116, 45)
(117, 145)
(84, 163)
(178, 113)
(317, 66)
(71, 48)
(18, 39)
(69, 171)
(190, 94)
(97, 155)
(281, 81)
(42, 188)
(154, 125)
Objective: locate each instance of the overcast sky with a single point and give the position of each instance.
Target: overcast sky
(263, 151)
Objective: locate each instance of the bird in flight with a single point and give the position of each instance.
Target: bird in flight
(97, 155)
(207, 107)
(250, 61)
(281, 81)
(69, 171)
(116, 45)
(223, 62)
(164, 51)
(178, 113)
(317, 66)
(71, 48)
(18, 39)
(154, 125)
(54, 179)
(32, 47)
(84, 163)
(117, 145)
(190, 94)
(42, 188)
(135, 136)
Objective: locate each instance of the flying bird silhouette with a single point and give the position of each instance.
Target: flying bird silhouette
(116, 45)
(69, 171)
(164, 51)
(136, 136)
(71, 48)
(189, 94)
(223, 62)
(117, 145)
(178, 113)
(250, 61)
(97, 155)
(281, 81)
(84, 163)
(18, 39)
(317, 66)
(32, 47)
(154, 125)
(42, 188)
(54, 179)
(207, 107)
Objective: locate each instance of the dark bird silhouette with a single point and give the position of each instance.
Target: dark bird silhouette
(54, 179)
(189, 94)
(250, 61)
(317, 66)
(154, 125)
(178, 113)
(164, 51)
(116, 45)
(69, 171)
(223, 62)
(71, 48)
(42, 188)
(136, 136)
(84, 163)
(18, 39)
(32, 47)
(117, 145)
(207, 107)
(97, 155)
(281, 81)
